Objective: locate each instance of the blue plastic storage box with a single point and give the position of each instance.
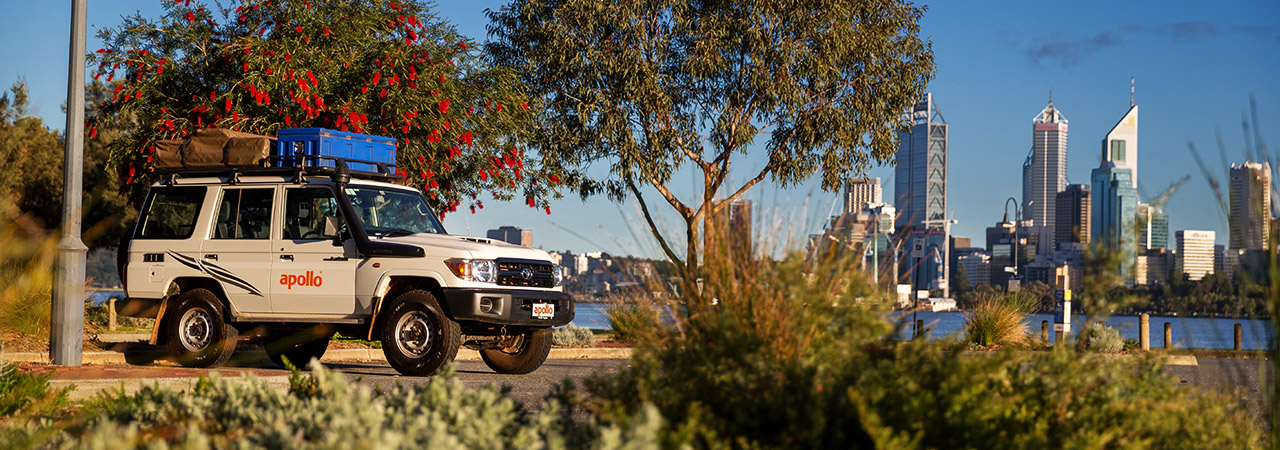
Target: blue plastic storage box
(368, 149)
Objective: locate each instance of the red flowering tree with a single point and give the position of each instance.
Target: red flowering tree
(384, 67)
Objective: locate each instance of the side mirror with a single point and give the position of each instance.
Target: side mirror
(332, 228)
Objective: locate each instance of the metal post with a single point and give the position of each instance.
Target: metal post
(1144, 331)
(1168, 335)
(66, 331)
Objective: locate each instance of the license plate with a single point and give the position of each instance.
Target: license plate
(544, 310)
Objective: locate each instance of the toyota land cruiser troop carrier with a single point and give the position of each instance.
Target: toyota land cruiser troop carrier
(294, 254)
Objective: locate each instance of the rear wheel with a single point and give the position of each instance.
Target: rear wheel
(298, 346)
(417, 338)
(519, 354)
(198, 336)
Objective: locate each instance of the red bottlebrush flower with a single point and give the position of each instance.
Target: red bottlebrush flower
(191, 17)
(463, 45)
(364, 89)
(311, 78)
(132, 171)
(548, 209)
(484, 176)
(413, 35)
(516, 171)
(298, 29)
(422, 175)
(110, 76)
(102, 50)
(164, 110)
(382, 93)
(529, 200)
(422, 160)
(434, 185)
(245, 66)
(287, 56)
(288, 120)
(235, 116)
(93, 132)
(268, 71)
(405, 129)
(213, 95)
(228, 103)
(326, 31)
(319, 103)
(128, 180)
(376, 76)
(473, 210)
(466, 137)
(444, 106)
(169, 123)
(306, 39)
(441, 81)
(555, 179)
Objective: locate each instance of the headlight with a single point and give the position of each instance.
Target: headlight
(558, 273)
(482, 270)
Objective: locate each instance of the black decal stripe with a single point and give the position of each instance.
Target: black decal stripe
(216, 272)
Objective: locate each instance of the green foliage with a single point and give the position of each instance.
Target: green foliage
(573, 336)
(1098, 337)
(999, 319)
(330, 412)
(652, 87)
(792, 355)
(385, 67)
(32, 157)
(25, 394)
(26, 280)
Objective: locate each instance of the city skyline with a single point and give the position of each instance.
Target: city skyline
(1195, 67)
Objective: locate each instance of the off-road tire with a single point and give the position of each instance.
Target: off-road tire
(417, 337)
(298, 346)
(197, 333)
(527, 355)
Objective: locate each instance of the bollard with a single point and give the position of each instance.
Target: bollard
(1144, 331)
(919, 328)
(1168, 335)
(1237, 347)
(1044, 331)
(111, 314)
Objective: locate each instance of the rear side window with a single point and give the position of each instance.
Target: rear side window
(244, 214)
(170, 213)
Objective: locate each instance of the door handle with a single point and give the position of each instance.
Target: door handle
(211, 256)
(286, 257)
(336, 258)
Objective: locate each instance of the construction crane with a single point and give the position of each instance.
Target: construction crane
(1208, 176)
(1164, 196)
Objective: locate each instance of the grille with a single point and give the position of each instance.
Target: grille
(511, 273)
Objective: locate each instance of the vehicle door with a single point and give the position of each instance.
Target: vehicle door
(238, 252)
(168, 232)
(311, 275)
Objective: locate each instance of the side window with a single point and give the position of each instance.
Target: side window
(171, 212)
(244, 214)
(1117, 150)
(304, 212)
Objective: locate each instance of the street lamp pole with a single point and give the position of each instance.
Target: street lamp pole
(1017, 218)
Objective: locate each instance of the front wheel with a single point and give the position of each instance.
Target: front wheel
(519, 354)
(417, 338)
(198, 336)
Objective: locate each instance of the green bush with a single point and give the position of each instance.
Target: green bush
(323, 410)
(27, 394)
(1098, 337)
(796, 355)
(573, 336)
(999, 319)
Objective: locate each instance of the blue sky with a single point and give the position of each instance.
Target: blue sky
(1196, 65)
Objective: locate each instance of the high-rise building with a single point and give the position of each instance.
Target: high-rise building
(1195, 253)
(1071, 223)
(512, 235)
(861, 192)
(1013, 248)
(1115, 210)
(1250, 206)
(977, 266)
(1120, 147)
(1044, 173)
(920, 173)
(1153, 228)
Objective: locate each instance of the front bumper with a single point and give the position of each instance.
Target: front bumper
(507, 306)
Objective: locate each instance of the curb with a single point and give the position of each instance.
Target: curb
(84, 389)
(333, 355)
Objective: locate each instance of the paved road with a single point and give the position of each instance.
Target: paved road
(1247, 378)
(527, 389)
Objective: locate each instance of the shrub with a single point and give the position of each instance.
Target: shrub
(26, 280)
(801, 355)
(998, 319)
(1098, 337)
(573, 336)
(323, 410)
(23, 393)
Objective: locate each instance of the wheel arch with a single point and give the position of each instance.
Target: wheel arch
(393, 284)
(176, 287)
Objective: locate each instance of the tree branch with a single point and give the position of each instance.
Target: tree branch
(653, 227)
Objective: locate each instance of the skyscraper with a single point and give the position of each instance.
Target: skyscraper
(1115, 209)
(860, 192)
(1071, 223)
(1153, 228)
(1044, 173)
(512, 235)
(1250, 206)
(1120, 147)
(920, 172)
(1195, 253)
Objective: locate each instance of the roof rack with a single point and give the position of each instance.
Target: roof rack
(296, 165)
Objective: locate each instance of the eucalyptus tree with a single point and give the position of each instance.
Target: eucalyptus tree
(655, 86)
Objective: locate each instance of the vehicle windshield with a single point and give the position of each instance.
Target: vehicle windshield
(385, 212)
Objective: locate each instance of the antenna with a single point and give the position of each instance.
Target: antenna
(1050, 96)
(1130, 92)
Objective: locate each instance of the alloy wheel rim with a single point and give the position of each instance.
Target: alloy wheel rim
(413, 334)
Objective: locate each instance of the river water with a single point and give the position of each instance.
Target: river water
(1188, 332)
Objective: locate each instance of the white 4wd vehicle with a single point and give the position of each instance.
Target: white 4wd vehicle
(296, 254)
